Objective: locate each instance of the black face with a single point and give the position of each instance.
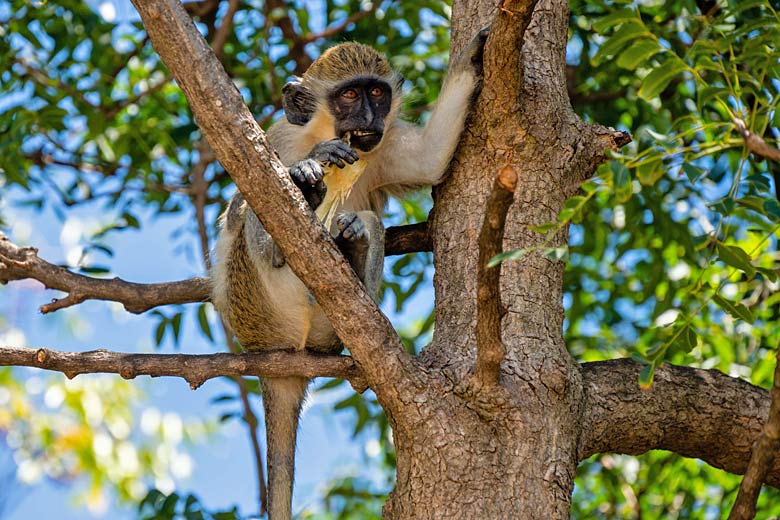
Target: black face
(361, 106)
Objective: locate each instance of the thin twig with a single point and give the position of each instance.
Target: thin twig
(199, 188)
(763, 455)
(250, 419)
(340, 27)
(193, 368)
(199, 191)
(490, 348)
(222, 33)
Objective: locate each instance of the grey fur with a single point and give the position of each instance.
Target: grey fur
(264, 303)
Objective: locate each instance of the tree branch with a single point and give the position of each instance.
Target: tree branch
(412, 238)
(490, 348)
(241, 147)
(693, 412)
(19, 263)
(196, 369)
(222, 33)
(762, 457)
(755, 143)
(339, 27)
(22, 263)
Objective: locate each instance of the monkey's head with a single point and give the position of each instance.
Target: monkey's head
(352, 85)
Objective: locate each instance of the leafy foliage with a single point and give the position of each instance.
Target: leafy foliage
(673, 252)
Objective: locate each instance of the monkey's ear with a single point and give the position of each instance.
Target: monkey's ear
(298, 102)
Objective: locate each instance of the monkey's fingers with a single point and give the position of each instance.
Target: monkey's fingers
(335, 160)
(306, 172)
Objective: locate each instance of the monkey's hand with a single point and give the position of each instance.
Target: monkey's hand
(307, 175)
(335, 152)
(352, 238)
(471, 56)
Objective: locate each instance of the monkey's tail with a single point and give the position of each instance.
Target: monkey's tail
(282, 400)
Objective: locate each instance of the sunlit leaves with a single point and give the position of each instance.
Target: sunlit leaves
(655, 82)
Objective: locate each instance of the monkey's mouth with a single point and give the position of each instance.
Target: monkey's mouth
(363, 140)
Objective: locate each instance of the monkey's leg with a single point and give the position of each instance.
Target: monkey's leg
(282, 400)
(361, 239)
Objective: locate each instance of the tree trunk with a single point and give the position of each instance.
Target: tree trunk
(470, 446)
(510, 452)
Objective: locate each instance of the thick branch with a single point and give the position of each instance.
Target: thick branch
(490, 348)
(693, 412)
(412, 238)
(764, 453)
(18, 263)
(193, 368)
(755, 143)
(241, 146)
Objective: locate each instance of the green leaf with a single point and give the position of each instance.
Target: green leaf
(571, 207)
(203, 321)
(687, 337)
(176, 326)
(655, 82)
(772, 209)
(621, 181)
(693, 172)
(752, 202)
(159, 332)
(770, 274)
(638, 53)
(517, 254)
(737, 310)
(649, 172)
(557, 253)
(759, 180)
(736, 257)
(628, 32)
(646, 377)
(724, 206)
(615, 18)
(546, 227)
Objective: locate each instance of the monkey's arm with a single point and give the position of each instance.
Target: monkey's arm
(420, 156)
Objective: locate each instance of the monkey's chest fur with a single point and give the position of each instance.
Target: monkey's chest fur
(272, 309)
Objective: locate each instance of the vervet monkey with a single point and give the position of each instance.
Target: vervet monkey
(350, 93)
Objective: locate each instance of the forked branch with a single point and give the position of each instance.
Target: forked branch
(19, 263)
(23, 263)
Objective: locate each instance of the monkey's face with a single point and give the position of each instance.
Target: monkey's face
(360, 107)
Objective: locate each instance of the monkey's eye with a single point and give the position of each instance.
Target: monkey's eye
(349, 94)
(376, 92)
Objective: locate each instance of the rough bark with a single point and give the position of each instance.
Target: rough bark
(512, 455)
(194, 368)
(693, 412)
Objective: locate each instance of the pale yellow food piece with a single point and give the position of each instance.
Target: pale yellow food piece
(339, 182)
